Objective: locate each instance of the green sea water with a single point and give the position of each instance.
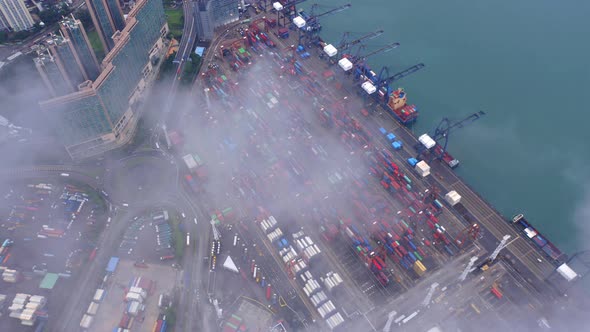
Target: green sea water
(526, 64)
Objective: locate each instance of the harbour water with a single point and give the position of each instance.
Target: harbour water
(523, 62)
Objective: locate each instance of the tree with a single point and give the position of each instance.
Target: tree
(49, 16)
(3, 37)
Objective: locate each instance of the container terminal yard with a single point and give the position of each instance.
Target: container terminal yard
(313, 207)
(380, 212)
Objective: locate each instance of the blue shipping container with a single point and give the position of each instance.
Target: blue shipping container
(412, 245)
(449, 251)
(412, 257)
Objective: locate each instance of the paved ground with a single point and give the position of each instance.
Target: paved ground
(112, 307)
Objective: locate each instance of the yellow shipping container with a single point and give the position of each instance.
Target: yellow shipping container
(419, 268)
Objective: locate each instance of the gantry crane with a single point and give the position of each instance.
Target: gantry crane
(344, 44)
(287, 9)
(467, 234)
(384, 80)
(441, 137)
(312, 25)
(359, 60)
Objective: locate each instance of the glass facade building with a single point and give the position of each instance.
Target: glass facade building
(74, 31)
(52, 73)
(62, 50)
(107, 17)
(211, 14)
(98, 117)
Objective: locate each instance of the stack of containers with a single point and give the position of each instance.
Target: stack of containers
(288, 254)
(92, 309)
(268, 225)
(331, 280)
(98, 295)
(275, 235)
(319, 299)
(311, 287)
(335, 320)
(299, 267)
(25, 306)
(86, 321)
(305, 245)
(133, 308)
(9, 275)
(325, 309)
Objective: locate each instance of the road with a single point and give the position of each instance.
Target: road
(189, 34)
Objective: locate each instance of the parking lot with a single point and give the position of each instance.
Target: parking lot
(113, 306)
(149, 238)
(51, 228)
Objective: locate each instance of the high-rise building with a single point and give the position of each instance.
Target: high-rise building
(52, 73)
(62, 50)
(74, 31)
(108, 18)
(15, 15)
(103, 114)
(210, 14)
(203, 20)
(225, 12)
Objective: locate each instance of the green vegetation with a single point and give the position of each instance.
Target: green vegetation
(167, 67)
(96, 44)
(191, 68)
(53, 14)
(179, 237)
(175, 20)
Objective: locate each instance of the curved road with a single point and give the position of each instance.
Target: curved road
(88, 278)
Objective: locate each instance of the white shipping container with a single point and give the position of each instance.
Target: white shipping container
(86, 321)
(453, 198)
(407, 319)
(92, 308)
(98, 295)
(335, 320)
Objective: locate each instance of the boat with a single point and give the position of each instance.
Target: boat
(397, 106)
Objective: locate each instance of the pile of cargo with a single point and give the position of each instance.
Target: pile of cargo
(99, 295)
(160, 326)
(5, 250)
(306, 246)
(331, 280)
(197, 170)
(42, 188)
(234, 323)
(9, 275)
(25, 308)
(297, 267)
(365, 252)
(47, 231)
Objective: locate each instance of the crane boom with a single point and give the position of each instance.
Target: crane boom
(383, 49)
(291, 4)
(438, 134)
(345, 45)
(400, 75)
